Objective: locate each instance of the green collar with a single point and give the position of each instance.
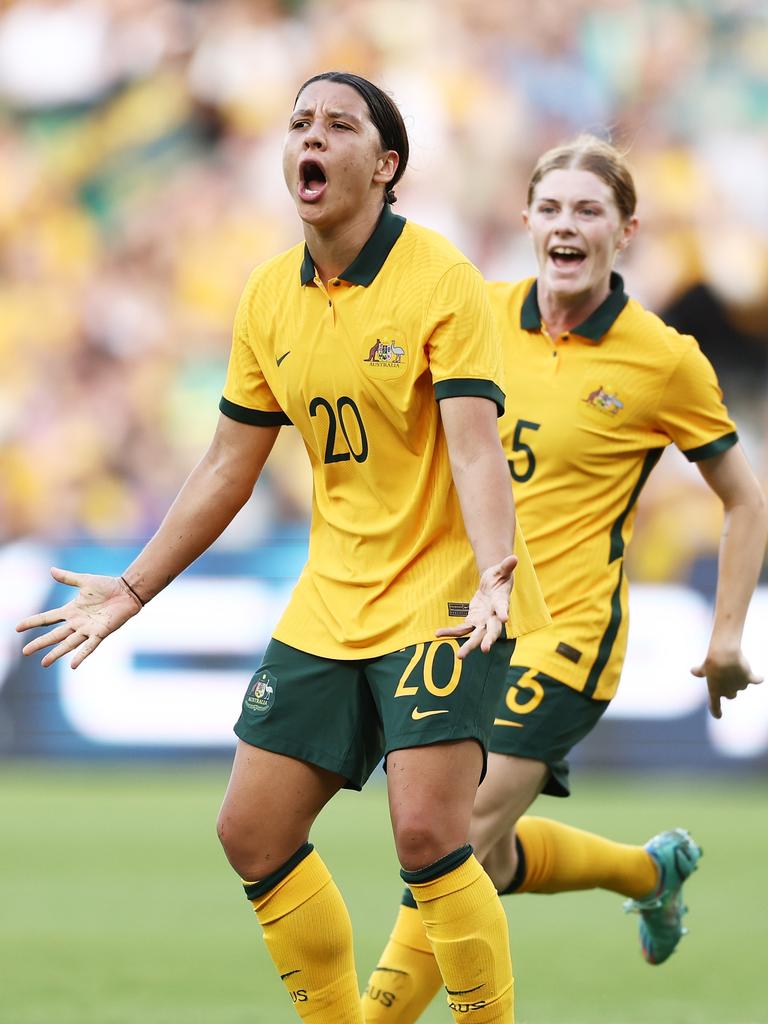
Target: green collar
(371, 258)
(595, 327)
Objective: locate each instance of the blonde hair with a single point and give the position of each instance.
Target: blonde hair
(589, 153)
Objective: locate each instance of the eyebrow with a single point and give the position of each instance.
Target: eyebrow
(549, 199)
(345, 115)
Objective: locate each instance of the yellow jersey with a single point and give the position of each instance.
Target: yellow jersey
(358, 367)
(587, 417)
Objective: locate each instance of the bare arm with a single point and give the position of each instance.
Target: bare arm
(213, 494)
(742, 548)
(481, 477)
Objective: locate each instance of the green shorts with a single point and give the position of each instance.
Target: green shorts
(346, 715)
(541, 718)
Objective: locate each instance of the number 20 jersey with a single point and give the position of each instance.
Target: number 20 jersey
(359, 367)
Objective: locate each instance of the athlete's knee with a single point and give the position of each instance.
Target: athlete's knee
(247, 849)
(492, 835)
(421, 841)
(500, 862)
(231, 840)
(485, 830)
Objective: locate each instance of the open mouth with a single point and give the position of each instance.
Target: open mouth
(566, 256)
(312, 180)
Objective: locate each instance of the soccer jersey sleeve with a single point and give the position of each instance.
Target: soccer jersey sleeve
(247, 396)
(463, 344)
(692, 412)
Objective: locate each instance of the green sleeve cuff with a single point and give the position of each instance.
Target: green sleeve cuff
(708, 451)
(470, 387)
(254, 417)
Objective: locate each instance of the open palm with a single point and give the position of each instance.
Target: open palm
(102, 604)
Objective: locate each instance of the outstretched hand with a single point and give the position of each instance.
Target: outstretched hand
(488, 609)
(726, 676)
(101, 605)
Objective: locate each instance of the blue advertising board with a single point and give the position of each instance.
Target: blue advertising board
(170, 682)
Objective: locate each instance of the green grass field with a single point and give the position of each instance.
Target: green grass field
(117, 906)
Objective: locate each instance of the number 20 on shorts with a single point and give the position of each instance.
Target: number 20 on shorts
(428, 669)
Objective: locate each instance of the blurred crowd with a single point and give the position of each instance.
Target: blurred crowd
(140, 181)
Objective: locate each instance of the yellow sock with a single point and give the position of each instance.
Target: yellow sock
(559, 858)
(309, 937)
(467, 929)
(407, 976)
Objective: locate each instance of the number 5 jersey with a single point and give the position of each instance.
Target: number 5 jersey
(588, 415)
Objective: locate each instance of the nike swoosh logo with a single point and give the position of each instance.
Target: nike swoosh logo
(512, 725)
(289, 973)
(416, 714)
(279, 359)
(462, 991)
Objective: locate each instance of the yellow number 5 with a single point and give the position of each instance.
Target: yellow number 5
(525, 707)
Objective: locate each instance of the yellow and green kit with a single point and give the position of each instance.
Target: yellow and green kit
(588, 414)
(358, 367)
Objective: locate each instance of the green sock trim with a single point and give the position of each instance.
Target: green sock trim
(408, 900)
(519, 876)
(255, 889)
(441, 867)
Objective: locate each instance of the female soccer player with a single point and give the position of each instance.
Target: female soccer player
(596, 387)
(376, 340)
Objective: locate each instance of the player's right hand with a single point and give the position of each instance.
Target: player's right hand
(101, 605)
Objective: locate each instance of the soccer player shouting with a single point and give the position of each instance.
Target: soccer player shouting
(376, 340)
(596, 388)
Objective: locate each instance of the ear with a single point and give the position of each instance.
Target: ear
(628, 233)
(526, 220)
(386, 166)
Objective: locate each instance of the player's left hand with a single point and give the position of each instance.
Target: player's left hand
(726, 675)
(488, 609)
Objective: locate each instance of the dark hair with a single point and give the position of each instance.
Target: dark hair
(384, 114)
(589, 153)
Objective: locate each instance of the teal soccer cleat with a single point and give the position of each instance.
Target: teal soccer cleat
(661, 915)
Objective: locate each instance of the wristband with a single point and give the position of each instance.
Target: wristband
(131, 591)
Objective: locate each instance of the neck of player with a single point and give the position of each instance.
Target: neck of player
(561, 311)
(334, 247)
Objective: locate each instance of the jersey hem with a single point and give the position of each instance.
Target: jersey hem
(349, 652)
(554, 670)
(342, 652)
